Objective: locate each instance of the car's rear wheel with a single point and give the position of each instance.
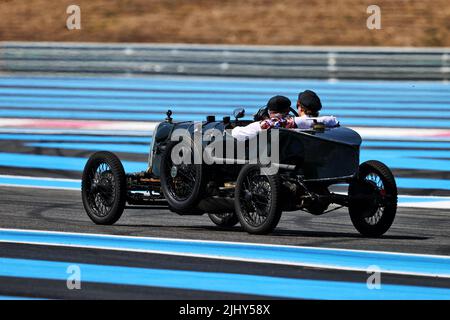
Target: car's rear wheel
(373, 199)
(182, 183)
(103, 188)
(224, 220)
(257, 200)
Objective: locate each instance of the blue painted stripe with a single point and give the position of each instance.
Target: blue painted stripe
(393, 153)
(40, 182)
(405, 144)
(386, 105)
(412, 116)
(397, 162)
(413, 183)
(437, 138)
(82, 132)
(212, 81)
(207, 108)
(397, 263)
(330, 101)
(347, 121)
(112, 147)
(117, 94)
(4, 298)
(77, 164)
(57, 163)
(165, 100)
(330, 104)
(219, 83)
(443, 94)
(219, 282)
(376, 99)
(230, 83)
(410, 199)
(135, 148)
(339, 97)
(168, 100)
(219, 80)
(52, 114)
(389, 122)
(83, 138)
(147, 106)
(422, 183)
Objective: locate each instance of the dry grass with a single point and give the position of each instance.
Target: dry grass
(289, 22)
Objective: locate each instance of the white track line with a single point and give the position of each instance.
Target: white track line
(229, 258)
(99, 235)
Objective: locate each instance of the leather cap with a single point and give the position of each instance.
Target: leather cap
(279, 104)
(310, 100)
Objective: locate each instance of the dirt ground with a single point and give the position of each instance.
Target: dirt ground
(288, 22)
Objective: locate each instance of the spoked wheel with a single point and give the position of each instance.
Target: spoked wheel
(257, 200)
(373, 195)
(182, 183)
(103, 188)
(224, 220)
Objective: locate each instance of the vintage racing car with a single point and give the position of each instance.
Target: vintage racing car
(234, 189)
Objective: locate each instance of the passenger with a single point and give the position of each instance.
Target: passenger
(278, 108)
(309, 106)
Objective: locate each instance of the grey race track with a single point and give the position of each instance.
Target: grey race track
(61, 210)
(423, 231)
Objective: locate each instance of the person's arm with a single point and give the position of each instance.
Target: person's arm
(249, 131)
(307, 123)
(329, 121)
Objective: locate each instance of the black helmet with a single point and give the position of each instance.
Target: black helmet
(278, 104)
(310, 101)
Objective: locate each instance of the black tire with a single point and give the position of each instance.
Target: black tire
(182, 184)
(103, 188)
(373, 218)
(257, 200)
(224, 220)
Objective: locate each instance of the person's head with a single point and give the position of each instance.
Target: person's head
(308, 104)
(278, 105)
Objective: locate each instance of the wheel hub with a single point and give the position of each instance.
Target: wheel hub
(173, 171)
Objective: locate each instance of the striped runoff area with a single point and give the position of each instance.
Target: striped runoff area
(409, 105)
(236, 283)
(52, 124)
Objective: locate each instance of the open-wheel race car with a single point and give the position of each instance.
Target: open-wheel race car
(237, 189)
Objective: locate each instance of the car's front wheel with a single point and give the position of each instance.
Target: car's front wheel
(257, 200)
(103, 188)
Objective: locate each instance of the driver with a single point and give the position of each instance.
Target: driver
(278, 108)
(278, 117)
